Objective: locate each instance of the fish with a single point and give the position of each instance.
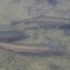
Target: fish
(30, 50)
(42, 20)
(46, 22)
(11, 36)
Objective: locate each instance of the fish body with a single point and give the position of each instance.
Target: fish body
(30, 50)
(46, 22)
(10, 36)
(43, 20)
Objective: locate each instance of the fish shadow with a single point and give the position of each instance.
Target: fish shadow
(48, 26)
(52, 2)
(40, 54)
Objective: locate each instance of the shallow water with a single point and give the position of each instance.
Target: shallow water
(58, 39)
